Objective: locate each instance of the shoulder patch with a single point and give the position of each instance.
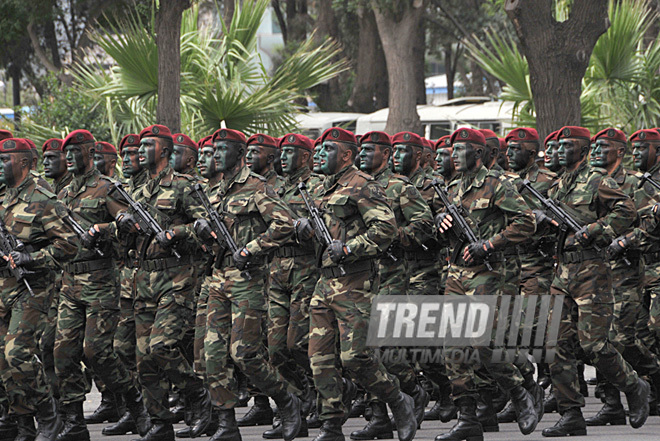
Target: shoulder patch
(270, 191)
(412, 192)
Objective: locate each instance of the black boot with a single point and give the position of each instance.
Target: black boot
(500, 399)
(525, 412)
(550, 403)
(378, 427)
(260, 414)
(125, 425)
(543, 375)
(313, 422)
(138, 411)
(485, 412)
(508, 415)
(26, 430)
(330, 431)
(538, 395)
(276, 432)
(571, 423)
(210, 429)
(8, 427)
(173, 398)
(227, 427)
(448, 410)
(638, 403)
(160, 431)
(243, 391)
(348, 394)
(289, 408)
(403, 411)
(612, 411)
(421, 399)
(584, 389)
(358, 407)
(308, 401)
(433, 414)
(49, 421)
(468, 427)
(107, 410)
(74, 428)
(199, 402)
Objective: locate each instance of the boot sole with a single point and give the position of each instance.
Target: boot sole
(389, 435)
(611, 423)
(491, 428)
(581, 432)
(299, 435)
(472, 438)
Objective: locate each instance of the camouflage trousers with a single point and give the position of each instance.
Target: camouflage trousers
(22, 322)
(340, 310)
(652, 286)
(424, 277)
(291, 284)
(47, 343)
(87, 318)
(463, 373)
(163, 310)
(586, 318)
(125, 341)
(201, 310)
(235, 319)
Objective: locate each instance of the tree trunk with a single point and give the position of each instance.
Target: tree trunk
(329, 93)
(15, 72)
(450, 71)
(168, 40)
(296, 17)
(547, 44)
(397, 33)
(367, 73)
(419, 50)
(228, 11)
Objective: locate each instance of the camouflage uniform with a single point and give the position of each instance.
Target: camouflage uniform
(355, 211)
(651, 293)
(33, 214)
(585, 279)
(260, 221)
(89, 301)
(276, 181)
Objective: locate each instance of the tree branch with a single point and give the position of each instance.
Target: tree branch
(38, 50)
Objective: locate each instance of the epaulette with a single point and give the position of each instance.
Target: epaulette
(261, 178)
(602, 171)
(46, 192)
(364, 175)
(494, 173)
(402, 177)
(185, 176)
(634, 173)
(545, 171)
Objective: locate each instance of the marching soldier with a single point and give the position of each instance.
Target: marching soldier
(105, 158)
(262, 154)
(551, 157)
(54, 163)
(185, 155)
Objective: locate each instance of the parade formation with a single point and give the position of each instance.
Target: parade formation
(234, 268)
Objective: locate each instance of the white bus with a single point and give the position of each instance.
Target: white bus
(313, 124)
(439, 120)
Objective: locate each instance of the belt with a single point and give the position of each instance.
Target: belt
(293, 252)
(228, 262)
(132, 263)
(164, 263)
(5, 273)
(651, 256)
(420, 255)
(579, 256)
(333, 272)
(88, 266)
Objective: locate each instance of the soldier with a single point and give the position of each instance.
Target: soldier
(362, 226)
(54, 163)
(551, 157)
(32, 215)
(105, 158)
(5, 134)
(259, 222)
(184, 155)
(428, 158)
(261, 156)
(316, 161)
(502, 159)
(87, 311)
(584, 278)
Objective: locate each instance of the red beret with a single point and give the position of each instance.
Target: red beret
(611, 134)
(428, 144)
(645, 135)
(229, 135)
(261, 139)
(502, 144)
(488, 134)
(181, 139)
(295, 140)
(551, 137)
(205, 141)
(443, 143)
(105, 148)
(12, 145)
(340, 135)
(5, 134)
(77, 137)
(375, 137)
(574, 132)
(408, 138)
(317, 141)
(465, 134)
(156, 131)
(51, 145)
(130, 140)
(33, 146)
(524, 134)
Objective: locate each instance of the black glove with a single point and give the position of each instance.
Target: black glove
(125, 223)
(90, 238)
(478, 251)
(584, 236)
(166, 238)
(21, 258)
(443, 221)
(303, 229)
(203, 230)
(338, 250)
(618, 247)
(542, 218)
(242, 258)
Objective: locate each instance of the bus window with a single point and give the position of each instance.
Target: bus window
(438, 130)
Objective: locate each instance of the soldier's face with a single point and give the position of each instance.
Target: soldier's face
(503, 160)
(644, 155)
(77, 158)
(464, 156)
(182, 158)
(551, 158)
(105, 163)
(227, 155)
(7, 168)
(603, 153)
(329, 157)
(372, 157)
(149, 152)
(292, 159)
(54, 164)
(404, 158)
(518, 156)
(258, 158)
(316, 159)
(130, 162)
(569, 152)
(443, 159)
(206, 163)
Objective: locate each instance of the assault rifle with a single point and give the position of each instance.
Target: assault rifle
(80, 231)
(148, 225)
(222, 234)
(9, 243)
(647, 178)
(465, 233)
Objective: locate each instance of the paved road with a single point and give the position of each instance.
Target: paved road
(508, 432)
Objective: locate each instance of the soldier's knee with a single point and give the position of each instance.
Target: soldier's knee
(591, 347)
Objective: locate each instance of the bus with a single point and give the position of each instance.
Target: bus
(313, 124)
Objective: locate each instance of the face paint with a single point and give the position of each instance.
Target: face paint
(603, 153)
(445, 164)
(371, 157)
(643, 156)
(329, 157)
(569, 152)
(551, 158)
(150, 150)
(404, 159)
(179, 158)
(257, 158)
(502, 160)
(464, 157)
(227, 155)
(316, 160)
(291, 159)
(518, 156)
(100, 163)
(54, 164)
(130, 164)
(76, 159)
(206, 163)
(7, 167)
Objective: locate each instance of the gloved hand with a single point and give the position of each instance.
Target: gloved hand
(303, 229)
(338, 251)
(166, 238)
(203, 230)
(19, 258)
(656, 210)
(443, 221)
(618, 246)
(242, 258)
(90, 238)
(478, 251)
(542, 218)
(583, 235)
(126, 223)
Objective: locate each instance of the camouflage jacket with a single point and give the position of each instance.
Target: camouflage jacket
(413, 215)
(41, 182)
(421, 181)
(594, 199)
(356, 211)
(254, 215)
(276, 181)
(62, 182)
(294, 200)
